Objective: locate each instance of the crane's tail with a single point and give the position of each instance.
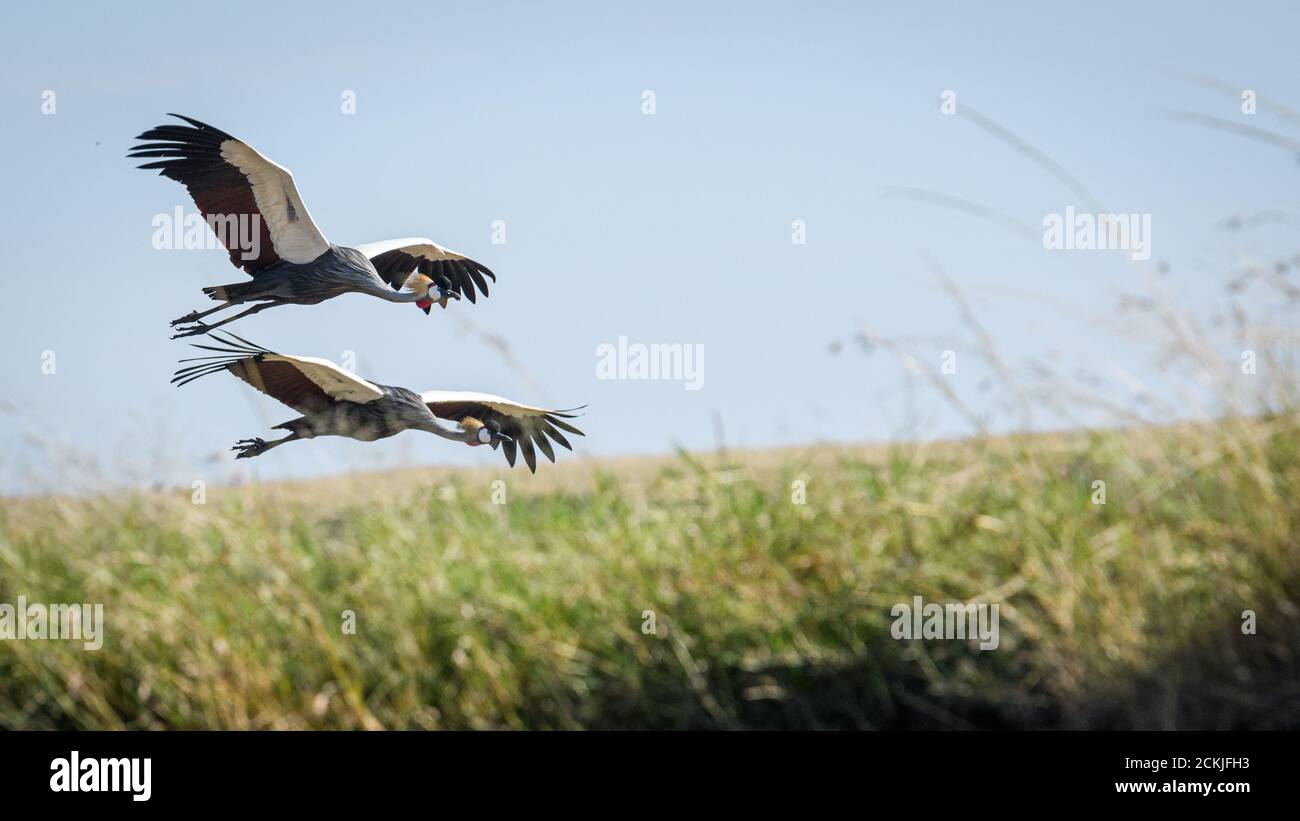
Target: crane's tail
(232, 349)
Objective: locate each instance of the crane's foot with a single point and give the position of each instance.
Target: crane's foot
(248, 448)
(192, 330)
(192, 316)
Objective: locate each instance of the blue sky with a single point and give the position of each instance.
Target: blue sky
(666, 228)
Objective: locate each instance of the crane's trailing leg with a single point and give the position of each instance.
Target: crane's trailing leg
(195, 316)
(248, 448)
(201, 328)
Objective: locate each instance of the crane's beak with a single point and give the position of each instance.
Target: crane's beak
(446, 293)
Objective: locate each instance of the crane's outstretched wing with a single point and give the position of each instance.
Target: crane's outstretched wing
(304, 383)
(525, 425)
(250, 202)
(396, 259)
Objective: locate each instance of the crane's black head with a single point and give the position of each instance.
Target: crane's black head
(484, 433)
(440, 291)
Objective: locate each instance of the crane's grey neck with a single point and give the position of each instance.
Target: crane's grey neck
(384, 292)
(445, 428)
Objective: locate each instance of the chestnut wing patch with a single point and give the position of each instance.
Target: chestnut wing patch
(281, 380)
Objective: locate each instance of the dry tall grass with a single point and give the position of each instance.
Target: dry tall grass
(769, 613)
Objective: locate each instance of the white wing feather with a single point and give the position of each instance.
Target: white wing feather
(293, 233)
(332, 379)
(497, 403)
(415, 246)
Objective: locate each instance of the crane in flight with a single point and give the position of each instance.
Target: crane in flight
(335, 402)
(254, 207)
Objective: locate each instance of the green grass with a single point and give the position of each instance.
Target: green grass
(769, 613)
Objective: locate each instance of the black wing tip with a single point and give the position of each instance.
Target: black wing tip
(179, 133)
(466, 277)
(235, 345)
(474, 264)
(238, 339)
(548, 428)
(543, 444)
(237, 349)
(177, 143)
(552, 419)
(185, 376)
(202, 126)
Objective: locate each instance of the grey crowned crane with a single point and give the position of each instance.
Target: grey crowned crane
(254, 208)
(334, 402)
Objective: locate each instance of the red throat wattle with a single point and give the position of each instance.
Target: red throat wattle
(424, 304)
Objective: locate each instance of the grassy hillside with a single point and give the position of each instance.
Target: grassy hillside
(768, 613)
